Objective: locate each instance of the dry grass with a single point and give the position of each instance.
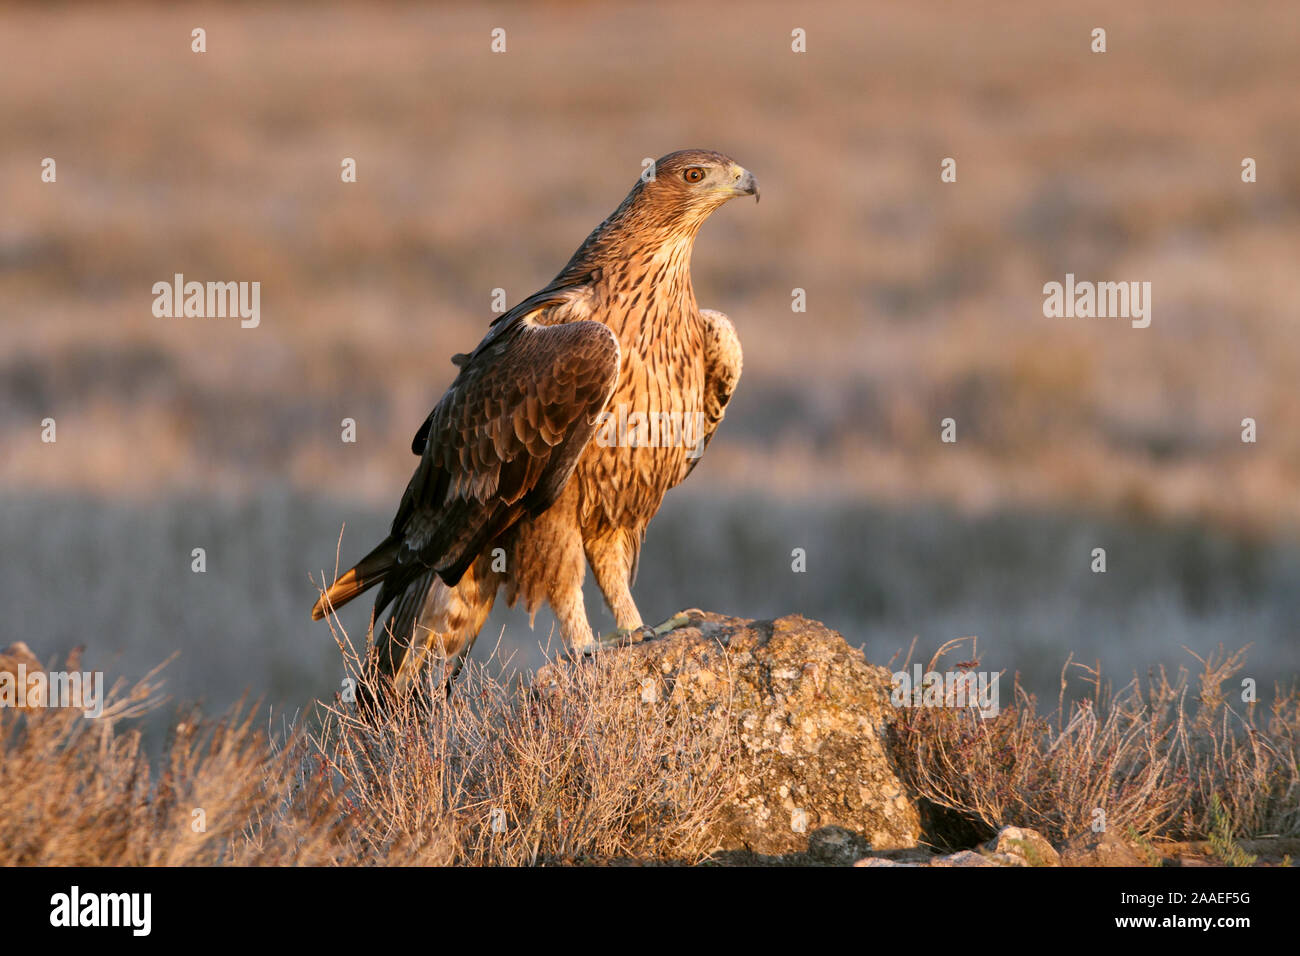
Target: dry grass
(573, 769)
(1169, 759)
(81, 792)
(580, 771)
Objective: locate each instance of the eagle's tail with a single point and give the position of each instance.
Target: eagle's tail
(432, 618)
(369, 571)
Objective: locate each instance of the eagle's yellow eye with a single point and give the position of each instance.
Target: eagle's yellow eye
(693, 174)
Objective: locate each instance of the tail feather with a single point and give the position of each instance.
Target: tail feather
(369, 571)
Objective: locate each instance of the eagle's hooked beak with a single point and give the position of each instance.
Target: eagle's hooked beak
(745, 184)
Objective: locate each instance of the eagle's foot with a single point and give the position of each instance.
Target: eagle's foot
(621, 637)
(672, 624)
(627, 636)
(624, 636)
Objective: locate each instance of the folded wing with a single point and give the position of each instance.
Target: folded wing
(502, 442)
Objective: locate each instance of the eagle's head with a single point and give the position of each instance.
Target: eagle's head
(697, 180)
(664, 209)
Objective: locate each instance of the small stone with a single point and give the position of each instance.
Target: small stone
(1099, 849)
(964, 858)
(1026, 845)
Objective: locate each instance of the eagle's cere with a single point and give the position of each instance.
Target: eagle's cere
(508, 458)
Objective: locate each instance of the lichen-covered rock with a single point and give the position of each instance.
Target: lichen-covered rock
(882, 861)
(1013, 846)
(810, 715)
(1099, 849)
(1023, 847)
(965, 858)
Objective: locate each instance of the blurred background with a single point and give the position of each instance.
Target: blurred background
(479, 170)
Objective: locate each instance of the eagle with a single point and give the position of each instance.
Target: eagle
(559, 436)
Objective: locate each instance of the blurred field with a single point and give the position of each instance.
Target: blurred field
(479, 171)
(116, 577)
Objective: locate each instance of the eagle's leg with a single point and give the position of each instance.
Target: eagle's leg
(612, 555)
(571, 612)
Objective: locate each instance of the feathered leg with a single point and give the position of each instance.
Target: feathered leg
(547, 564)
(612, 554)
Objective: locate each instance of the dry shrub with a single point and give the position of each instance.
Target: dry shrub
(82, 792)
(1153, 755)
(579, 769)
(575, 767)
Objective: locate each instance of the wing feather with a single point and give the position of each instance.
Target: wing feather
(506, 436)
(722, 366)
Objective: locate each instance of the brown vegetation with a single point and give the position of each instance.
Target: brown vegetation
(1166, 759)
(576, 770)
(577, 773)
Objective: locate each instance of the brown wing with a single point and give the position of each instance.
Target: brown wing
(506, 436)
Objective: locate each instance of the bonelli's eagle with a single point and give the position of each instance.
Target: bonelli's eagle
(559, 436)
